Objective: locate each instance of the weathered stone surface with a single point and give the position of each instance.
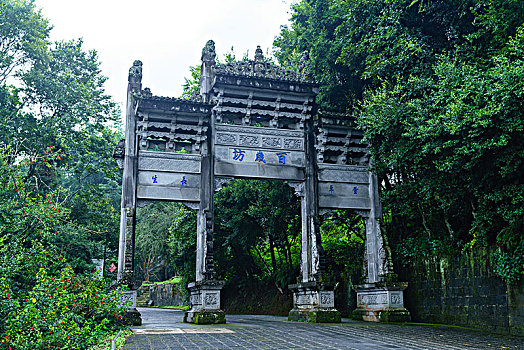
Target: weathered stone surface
(313, 302)
(167, 294)
(314, 316)
(205, 317)
(133, 317)
(205, 302)
(169, 162)
(381, 302)
(463, 290)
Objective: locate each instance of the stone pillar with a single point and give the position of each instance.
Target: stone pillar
(126, 245)
(205, 291)
(380, 298)
(313, 297)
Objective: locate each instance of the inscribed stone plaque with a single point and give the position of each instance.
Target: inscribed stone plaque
(327, 299)
(211, 300)
(259, 163)
(254, 137)
(343, 173)
(168, 193)
(343, 195)
(173, 162)
(159, 178)
(128, 296)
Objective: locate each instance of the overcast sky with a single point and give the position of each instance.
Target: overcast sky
(166, 35)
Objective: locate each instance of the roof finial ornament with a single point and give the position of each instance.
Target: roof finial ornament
(259, 56)
(303, 68)
(135, 73)
(208, 52)
(304, 60)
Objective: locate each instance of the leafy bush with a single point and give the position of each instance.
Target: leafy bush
(66, 311)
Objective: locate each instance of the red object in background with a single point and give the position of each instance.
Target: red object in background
(111, 269)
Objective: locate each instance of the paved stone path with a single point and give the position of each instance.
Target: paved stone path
(164, 329)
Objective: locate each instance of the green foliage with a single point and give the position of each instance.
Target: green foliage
(257, 233)
(23, 37)
(153, 256)
(58, 187)
(43, 303)
(65, 311)
(509, 265)
(191, 86)
(343, 234)
(437, 88)
(56, 125)
(182, 242)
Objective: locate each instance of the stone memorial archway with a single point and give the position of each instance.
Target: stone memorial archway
(253, 119)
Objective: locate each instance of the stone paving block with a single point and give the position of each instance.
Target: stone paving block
(270, 332)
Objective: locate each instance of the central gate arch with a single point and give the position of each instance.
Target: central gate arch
(253, 119)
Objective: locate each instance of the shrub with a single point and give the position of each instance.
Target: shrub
(68, 311)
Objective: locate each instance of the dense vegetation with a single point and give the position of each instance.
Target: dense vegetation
(437, 87)
(58, 188)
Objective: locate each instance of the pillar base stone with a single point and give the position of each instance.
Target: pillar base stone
(313, 302)
(205, 303)
(381, 302)
(132, 316)
(314, 316)
(205, 317)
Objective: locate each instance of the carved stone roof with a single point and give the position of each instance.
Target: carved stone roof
(265, 70)
(149, 101)
(259, 68)
(147, 95)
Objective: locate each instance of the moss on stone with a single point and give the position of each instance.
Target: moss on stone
(394, 316)
(315, 316)
(206, 317)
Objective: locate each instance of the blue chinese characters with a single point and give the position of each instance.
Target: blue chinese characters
(282, 157)
(260, 157)
(238, 154)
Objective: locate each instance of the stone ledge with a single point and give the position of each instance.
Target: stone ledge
(315, 316)
(399, 314)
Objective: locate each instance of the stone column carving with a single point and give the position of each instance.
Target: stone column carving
(128, 203)
(380, 298)
(206, 71)
(205, 291)
(313, 298)
(126, 246)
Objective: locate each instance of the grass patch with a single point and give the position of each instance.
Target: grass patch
(175, 279)
(183, 308)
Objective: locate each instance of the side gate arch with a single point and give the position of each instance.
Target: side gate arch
(252, 119)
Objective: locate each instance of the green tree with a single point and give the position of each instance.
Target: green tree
(436, 87)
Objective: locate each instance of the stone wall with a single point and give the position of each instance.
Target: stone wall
(463, 290)
(167, 294)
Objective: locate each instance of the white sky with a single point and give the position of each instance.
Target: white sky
(167, 36)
